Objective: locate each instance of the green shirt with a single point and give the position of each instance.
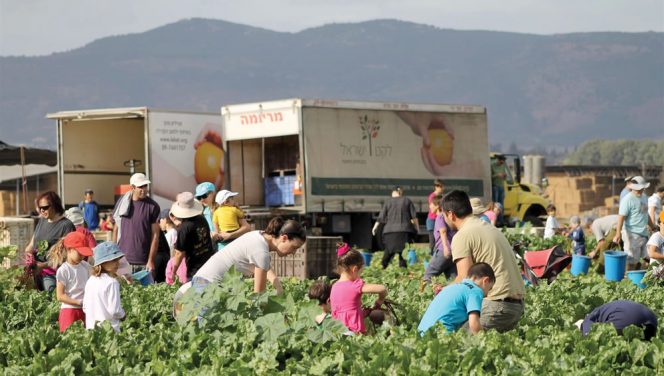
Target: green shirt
(495, 170)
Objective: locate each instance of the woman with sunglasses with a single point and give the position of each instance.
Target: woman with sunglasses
(51, 227)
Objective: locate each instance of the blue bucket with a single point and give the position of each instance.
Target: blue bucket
(614, 265)
(580, 265)
(144, 277)
(412, 257)
(636, 276)
(367, 258)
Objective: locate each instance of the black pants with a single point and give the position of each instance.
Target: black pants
(395, 242)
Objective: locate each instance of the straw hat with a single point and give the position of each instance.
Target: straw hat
(186, 206)
(477, 205)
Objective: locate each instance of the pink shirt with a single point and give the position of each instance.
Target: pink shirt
(491, 215)
(182, 272)
(432, 215)
(346, 301)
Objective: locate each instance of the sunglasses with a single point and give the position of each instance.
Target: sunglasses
(44, 208)
(203, 197)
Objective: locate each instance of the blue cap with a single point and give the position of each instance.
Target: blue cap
(204, 188)
(165, 213)
(106, 251)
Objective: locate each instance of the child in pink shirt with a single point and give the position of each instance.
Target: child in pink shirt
(182, 272)
(346, 295)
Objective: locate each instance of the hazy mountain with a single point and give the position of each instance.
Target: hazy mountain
(539, 90)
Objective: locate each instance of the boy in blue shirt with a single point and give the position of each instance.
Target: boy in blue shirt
(90, 210)
(460, 302)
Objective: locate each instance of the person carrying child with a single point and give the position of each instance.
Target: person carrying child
(228, 219)
(346, 294)
(101, 300)
(320, 291)
(72, 274)
(461, 302)
(576, 234)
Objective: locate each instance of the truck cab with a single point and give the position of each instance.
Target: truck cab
(523, 202)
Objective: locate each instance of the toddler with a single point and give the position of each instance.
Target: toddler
(552, 226)
(346, 294)
(320, 291)
(101, 301)
(577, 236)
(226, 217)
(72, 274)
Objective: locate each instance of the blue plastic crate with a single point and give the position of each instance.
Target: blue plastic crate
(273, 195)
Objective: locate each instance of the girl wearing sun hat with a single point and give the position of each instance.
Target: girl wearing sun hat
(101, 301)
(72, 274)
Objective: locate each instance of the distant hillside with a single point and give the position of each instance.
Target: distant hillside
(539, 90)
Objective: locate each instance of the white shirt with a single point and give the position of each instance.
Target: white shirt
(602, 226)
(245, 253)
(551, 226)
(171, 236)
(102, 301)
(656, 240)
(73, 277)
(656, 202)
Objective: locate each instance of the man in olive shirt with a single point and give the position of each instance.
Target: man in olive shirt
(479, 241)
(498, 176)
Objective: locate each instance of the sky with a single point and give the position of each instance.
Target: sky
(41, 27)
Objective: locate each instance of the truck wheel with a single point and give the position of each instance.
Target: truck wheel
(534, 221)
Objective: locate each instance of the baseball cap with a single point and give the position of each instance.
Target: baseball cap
(139, 180)
(77, 241)
(106, 251)
(89, 190)
(165, 213)
(204, 188)
(638, 183)
(224, 195)
(627, 179)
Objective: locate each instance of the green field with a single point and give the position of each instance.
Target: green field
(250, 334)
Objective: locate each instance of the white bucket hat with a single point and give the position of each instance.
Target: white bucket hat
(186, 206)
(224, 195)
(638, 183)
(477, 205)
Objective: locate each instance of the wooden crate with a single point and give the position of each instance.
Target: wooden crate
(317, 258)
(15, 231)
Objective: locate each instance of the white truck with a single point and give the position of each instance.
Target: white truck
(337, 162)
(99, 149)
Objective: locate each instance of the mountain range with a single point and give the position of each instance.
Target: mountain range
(539, 90)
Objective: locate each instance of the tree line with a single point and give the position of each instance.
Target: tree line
(618, 152)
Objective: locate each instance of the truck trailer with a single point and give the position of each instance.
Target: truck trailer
(337, 162)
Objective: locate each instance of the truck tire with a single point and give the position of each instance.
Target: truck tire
(534, 221)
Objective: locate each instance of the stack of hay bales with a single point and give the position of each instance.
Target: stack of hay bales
(575, 195)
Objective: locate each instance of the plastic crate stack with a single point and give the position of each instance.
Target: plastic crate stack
(279, 190)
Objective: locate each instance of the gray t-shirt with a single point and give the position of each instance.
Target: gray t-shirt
(245, 253)
(73, 277)
(51, 232)
(602, 226)
(397, 214)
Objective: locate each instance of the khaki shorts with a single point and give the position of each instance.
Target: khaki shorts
(635, 246)
(499, 315)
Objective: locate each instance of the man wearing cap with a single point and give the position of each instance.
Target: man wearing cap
(137, 224)
(90, 210)
(633, 223)
(193, 241)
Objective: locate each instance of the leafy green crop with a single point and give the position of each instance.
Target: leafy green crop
(247, 333)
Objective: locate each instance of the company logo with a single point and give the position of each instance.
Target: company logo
(370, 128)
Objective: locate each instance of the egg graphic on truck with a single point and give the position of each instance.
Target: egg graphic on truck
(208, 162)
(441, 143)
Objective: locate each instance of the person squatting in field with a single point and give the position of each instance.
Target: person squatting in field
(478, 241)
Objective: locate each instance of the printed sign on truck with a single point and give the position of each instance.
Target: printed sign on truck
(355, 154)
(185, 150)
